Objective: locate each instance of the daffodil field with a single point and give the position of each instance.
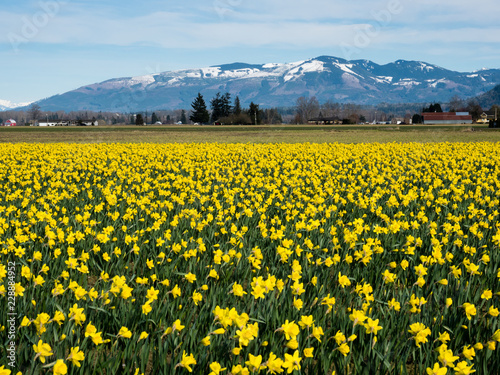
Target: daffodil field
(250, 258)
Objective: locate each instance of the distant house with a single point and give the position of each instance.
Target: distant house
(87, 123)
(53, 123)
(324, 120)
(401, 121)
(10, 122)
(68, 123)
(446, 118)
(486, 116)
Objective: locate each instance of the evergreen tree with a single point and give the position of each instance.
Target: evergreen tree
(254, 114)
(154, 118)
(226, 104)
(221, 106)
(200, 113)
(139, 120)
(436, 107)
(237, 106)
(216, 105)
(183, 117)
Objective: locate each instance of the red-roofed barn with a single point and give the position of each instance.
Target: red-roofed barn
(444, 118)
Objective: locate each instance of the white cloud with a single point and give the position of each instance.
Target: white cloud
(229, 23)
(431, 38)
(170, 30)
(175, 30)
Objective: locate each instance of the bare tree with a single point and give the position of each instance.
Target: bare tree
(330, 109)
(474, 108)
(351, 112)
(306, 108)
(457, 104)
(34, 112)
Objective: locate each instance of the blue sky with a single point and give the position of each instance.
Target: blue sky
(48, 47)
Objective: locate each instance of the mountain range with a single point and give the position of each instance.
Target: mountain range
(7, 104)
(280, 84)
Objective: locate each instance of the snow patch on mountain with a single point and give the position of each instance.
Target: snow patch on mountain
(383, 79)
(142, 80)
(425, 66)
(407, 82)
(7, 104)
(346, 68)
(191, 74)
(442, 80)
(242, 73)
(211, 72)
(311, 66)
(271, 65)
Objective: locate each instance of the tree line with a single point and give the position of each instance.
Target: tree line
(221, 109)
(309, 109)
(227, 113)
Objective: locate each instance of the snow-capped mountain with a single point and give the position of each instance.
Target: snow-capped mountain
(7, 104)
(280, 84)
